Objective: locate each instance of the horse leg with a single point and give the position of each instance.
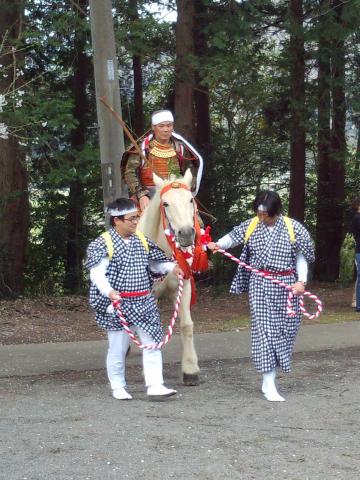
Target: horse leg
(189, 362)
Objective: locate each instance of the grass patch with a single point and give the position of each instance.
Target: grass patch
(238, 323)
(337, 317)
(242, 322)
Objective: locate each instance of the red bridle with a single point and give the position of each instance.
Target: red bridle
(199, 257)
(176, 185)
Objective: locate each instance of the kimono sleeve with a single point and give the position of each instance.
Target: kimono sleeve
(95, 253)
(303, 242)
(155, 252)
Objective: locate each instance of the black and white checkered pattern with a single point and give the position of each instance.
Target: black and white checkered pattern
(128, 271)
(273, 332)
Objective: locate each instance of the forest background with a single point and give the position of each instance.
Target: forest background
(268, 92)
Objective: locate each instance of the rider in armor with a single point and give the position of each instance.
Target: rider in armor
(166, 153)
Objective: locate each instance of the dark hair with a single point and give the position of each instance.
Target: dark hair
(270, 200)
(161, 110)
(121, 203)
(355, 204)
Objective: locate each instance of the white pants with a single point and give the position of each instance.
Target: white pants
(115, 360)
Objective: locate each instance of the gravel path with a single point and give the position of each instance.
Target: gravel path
(67, 426)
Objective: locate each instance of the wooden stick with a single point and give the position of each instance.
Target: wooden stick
(127, 131)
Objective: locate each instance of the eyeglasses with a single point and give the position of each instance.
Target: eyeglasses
(133, 219)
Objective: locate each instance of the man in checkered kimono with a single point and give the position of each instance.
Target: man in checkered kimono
(125, 273)
(281, 247)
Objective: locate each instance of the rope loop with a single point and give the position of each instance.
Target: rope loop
(289, 310)
(170, 328)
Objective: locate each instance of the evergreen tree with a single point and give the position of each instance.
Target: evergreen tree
(14, 205)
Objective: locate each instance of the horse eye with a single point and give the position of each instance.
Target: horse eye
(192, 200)
(166, 204)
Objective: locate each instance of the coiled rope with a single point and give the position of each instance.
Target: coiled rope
(289, 310)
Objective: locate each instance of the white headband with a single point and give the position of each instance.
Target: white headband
(163, 116)
(262, 208)
(117, 213)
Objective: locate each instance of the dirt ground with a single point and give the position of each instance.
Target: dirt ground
(67, 319)
(66, 425)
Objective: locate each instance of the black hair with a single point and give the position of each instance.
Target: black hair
(121, 203)
(270, 200)
(162, 110)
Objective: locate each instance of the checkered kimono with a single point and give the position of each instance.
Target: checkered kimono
(273, 332)
(128, 271)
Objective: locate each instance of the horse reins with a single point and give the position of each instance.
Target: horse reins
(188, 275)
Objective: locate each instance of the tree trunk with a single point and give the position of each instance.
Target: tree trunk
(14, 202)
(297, 108)
(202, 105)
(331, 152)
(138, 123)
(74, 247)
(184, 83)
(323, 207)
(338, 141)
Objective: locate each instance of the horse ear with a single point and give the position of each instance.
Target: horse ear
(159, 182)
(188, 177)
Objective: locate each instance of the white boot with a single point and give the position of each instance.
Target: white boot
(121, 394)
(269, 389)
(160, 391)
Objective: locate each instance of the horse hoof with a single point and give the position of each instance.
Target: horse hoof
(190, 380)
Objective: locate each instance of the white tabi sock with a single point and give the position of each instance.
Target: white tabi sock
(269, 388)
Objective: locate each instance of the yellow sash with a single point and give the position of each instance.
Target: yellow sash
(254, 222)
(110, 247)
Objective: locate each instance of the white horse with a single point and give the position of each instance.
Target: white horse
(179, 207)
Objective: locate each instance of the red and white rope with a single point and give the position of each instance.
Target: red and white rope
(170, 329)
(290, 311)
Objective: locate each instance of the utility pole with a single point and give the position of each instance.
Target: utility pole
(111, 134)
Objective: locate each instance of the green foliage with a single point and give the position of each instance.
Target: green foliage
(245, 68)
(140, 33)
(347, 259)
(42, 113)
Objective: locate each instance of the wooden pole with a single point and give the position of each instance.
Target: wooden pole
(111, 135)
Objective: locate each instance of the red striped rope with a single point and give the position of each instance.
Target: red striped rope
(290, 311)
(170, 329)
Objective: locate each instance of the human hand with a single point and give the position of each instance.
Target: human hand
(298, 288)
(144, 202)
(214, 247)
(114, 295)
(177, 270)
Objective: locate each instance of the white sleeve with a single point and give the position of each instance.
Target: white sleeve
(98, 277)
(161, 267)
(225, 242)
(301, 267)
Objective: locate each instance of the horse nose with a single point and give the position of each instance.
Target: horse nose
(186, 231)
(186, 236)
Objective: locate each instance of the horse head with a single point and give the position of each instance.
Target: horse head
(178, 207)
